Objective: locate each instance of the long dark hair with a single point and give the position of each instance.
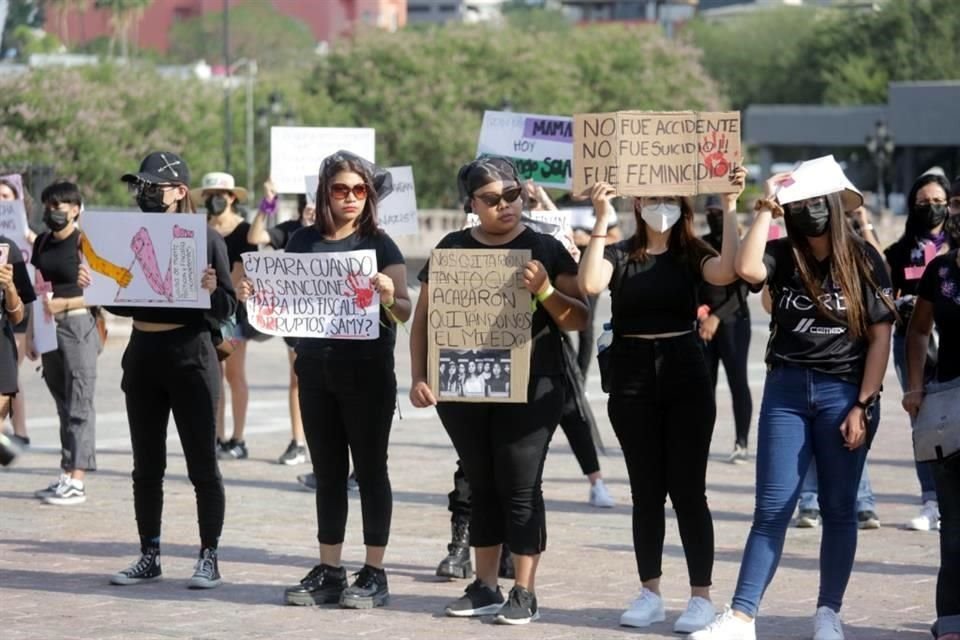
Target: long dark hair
(683, 241)
(850, 268)
(367, 224)
(914, 229)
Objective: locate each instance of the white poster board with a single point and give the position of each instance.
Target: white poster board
(13, 224)
(554, 222)
(44, 326)
(398, 211)
(311, 183)
(540, 146)
(299, 151)
(314, 295)
(145, 259)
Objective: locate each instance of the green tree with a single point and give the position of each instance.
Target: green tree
(124, 16)
(28, 13)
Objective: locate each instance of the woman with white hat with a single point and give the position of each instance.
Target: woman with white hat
(827, 356)
(219, 194)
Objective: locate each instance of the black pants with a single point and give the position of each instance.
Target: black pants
(347, 409)
(502, 448)
(663, 412)
(174, 371)
(586, 338)
(731, 345)
(579, 435)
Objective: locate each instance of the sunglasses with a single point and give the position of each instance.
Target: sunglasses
(148, 188)
(339, 191)
(815, 205)
(493, 199)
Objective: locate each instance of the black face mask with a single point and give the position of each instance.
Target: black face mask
(151, 202)
(813, 220)
(216, 205)
(55, 219)
(932, 215)
(715, 222)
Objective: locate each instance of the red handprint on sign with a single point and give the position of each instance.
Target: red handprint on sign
(361, 289)
(714, 158)
(266, 312)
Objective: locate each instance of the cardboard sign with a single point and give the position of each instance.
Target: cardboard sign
(299, 151)
(314, 295)
(145, 259)
(13, 224)
(541, 147)
(479, 315)
(397, 212)
(656, 153)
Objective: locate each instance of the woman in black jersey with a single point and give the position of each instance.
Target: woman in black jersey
(170, 365)
(502, 446)
(661, 402)
(220, 195)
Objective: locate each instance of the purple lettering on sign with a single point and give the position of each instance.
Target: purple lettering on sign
(543, 129)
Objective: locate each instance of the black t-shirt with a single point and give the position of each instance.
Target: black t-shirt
(729, 302)
(309, 240)
(801, 334)
(237, 244)
(223, 301)
(547, 357)
(280, 234)
(940, 286)
(59, 263)
(655, 296)
(907, 259)
(21, 278)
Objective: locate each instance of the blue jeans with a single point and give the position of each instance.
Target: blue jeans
(924, 474)
(947, 475)
(865, 498)
(800, 421)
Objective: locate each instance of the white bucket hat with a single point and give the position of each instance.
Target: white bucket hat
(219, 181)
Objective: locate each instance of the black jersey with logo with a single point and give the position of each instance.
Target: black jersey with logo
(800, 333)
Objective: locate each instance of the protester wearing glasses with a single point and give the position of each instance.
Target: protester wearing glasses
(348, 389)
(828, 351)
(503, 446)
(938, 305)
(220, 196)
(170, 364)
(70, 370)
(661, 402)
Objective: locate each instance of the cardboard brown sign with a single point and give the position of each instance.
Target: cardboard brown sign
(479, 325)
(675, 153)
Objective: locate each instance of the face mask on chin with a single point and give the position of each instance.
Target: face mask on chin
(660, 217)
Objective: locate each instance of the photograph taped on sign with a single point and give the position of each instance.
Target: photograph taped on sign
(477, 373)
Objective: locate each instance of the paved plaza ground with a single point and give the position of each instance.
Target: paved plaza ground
(55, 562)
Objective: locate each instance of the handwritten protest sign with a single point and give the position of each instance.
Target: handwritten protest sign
(13, 224)
(398, 211)
(555, 222)
(311, 183)
(299, 151)
(314, 295)
(656, 152)
(145, 260)
(479, 314)
(540, 146)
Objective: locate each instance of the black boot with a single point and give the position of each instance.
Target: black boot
(506, 563)
(457, 563)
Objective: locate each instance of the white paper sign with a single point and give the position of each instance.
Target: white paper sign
(145, 259)
(44, 326)
(398, 211)
(311, 183)
(13, 224)
(299, 151)
(314, 295)
(554, 222)
(817, 177)
(540, 146)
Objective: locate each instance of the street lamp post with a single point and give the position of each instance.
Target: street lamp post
(880, 146)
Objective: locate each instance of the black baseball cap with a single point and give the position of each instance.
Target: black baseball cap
(161, 167)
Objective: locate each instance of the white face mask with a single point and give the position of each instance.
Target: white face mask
(660, 217)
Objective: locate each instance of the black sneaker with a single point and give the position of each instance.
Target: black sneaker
(520, 608)
(868, 520)
(323, 585)
(295, 454)
(9, 450)
(477, 600)
(808, 519)
(308, 482)
(206, 574)
(369, 590)
(146, 569)
(233, 450)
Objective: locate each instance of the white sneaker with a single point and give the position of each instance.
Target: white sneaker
(644, 611)
(600, 497)
(699, 614)
(827, 625)
(52, 489)
(68, 493)
(929, 518)
(727, 627)
(739, 455)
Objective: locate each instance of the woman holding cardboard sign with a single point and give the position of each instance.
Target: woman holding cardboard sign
(661, 402)
(827, 356)
(503, 446)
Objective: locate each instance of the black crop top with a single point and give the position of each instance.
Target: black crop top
(652, 297)
(59, 263)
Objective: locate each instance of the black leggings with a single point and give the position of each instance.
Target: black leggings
(347, 409)
(586, 338)
(731, 344)
(173, 371)
(502, 448)
(663, 412)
